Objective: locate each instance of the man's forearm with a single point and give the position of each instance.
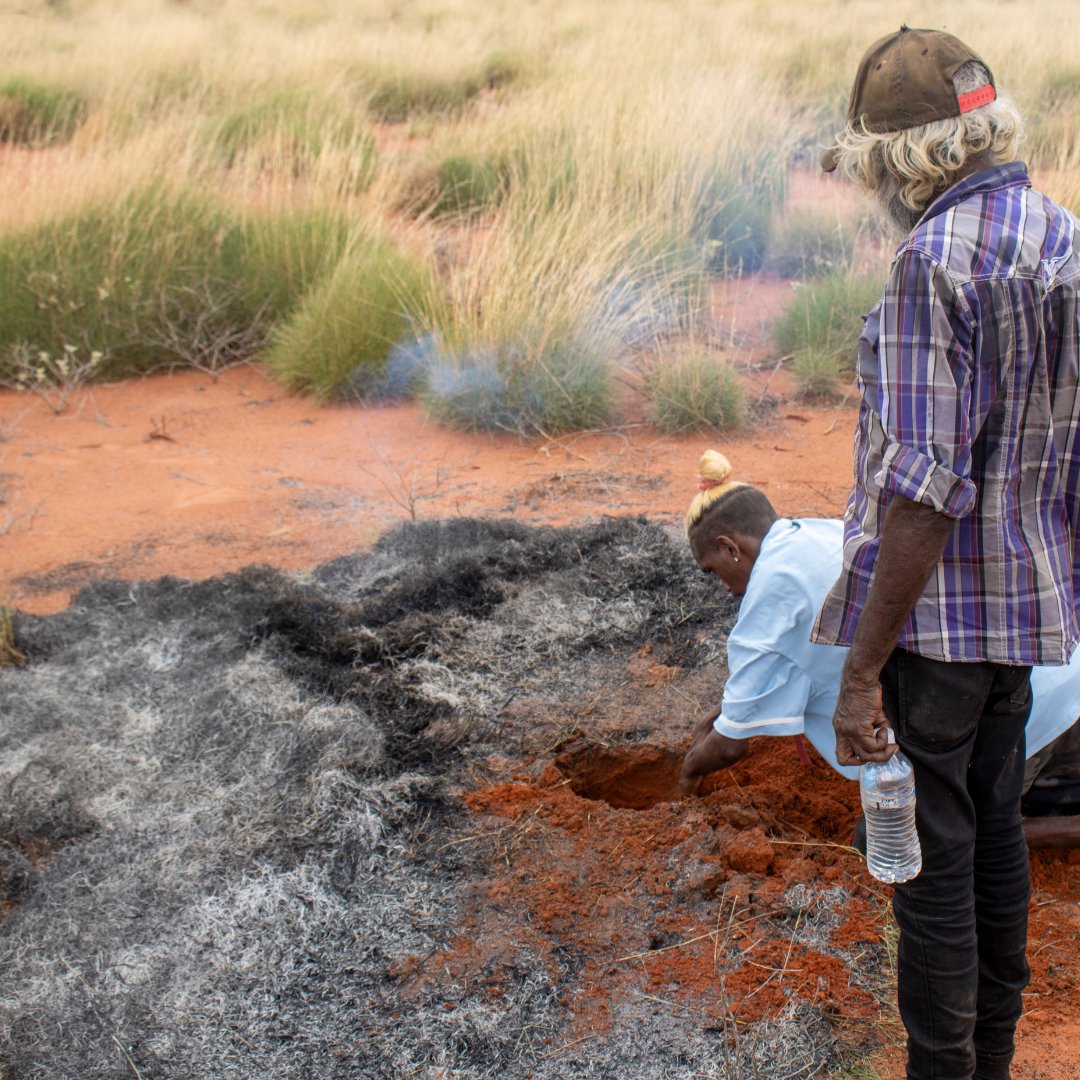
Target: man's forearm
(913, 538)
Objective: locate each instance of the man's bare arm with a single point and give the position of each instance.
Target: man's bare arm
(913, 538)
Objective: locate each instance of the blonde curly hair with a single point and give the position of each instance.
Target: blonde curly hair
(915, 165)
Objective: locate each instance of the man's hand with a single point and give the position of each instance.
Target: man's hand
(709, 751)
(859, 723)
(913, 537)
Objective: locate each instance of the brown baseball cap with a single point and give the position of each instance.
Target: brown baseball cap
(905, 80)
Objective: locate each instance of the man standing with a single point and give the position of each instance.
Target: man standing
(961, 553)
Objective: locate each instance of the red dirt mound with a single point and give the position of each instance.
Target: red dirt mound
(722, 904)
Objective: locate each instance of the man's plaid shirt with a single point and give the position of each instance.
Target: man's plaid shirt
(970, 404)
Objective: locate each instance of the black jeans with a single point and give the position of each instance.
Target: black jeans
(961, 963)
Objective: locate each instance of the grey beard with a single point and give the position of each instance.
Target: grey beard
(900, 218)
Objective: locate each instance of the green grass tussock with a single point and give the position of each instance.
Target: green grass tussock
(466, 186)
(401, 94)
(129, 278)
(39, 114)
(460, 186)
(528, 386)
(695, 390)
(821, 329)
(275, 259)
(160, 277)
(290, 132)
(336, 342)
(809, 245)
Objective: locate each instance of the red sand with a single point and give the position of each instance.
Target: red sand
(179, 474)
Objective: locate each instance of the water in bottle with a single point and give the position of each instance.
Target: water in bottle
(888, 799)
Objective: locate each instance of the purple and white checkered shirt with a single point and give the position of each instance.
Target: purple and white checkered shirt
(970, 404)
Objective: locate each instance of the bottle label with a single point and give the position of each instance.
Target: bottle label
(887, 803)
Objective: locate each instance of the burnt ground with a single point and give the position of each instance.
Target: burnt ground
(412, 815)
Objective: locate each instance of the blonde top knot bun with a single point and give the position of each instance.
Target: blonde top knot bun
(713, 468)
(713, 483)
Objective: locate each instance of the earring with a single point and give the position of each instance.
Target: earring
(735, 558)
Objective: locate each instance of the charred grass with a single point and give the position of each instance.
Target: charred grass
(236, 840)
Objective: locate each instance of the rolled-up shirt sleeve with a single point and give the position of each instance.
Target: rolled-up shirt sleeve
(924, 372)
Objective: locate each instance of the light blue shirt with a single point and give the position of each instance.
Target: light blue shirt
(782, 683)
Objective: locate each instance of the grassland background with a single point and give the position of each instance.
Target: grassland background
(522, 197)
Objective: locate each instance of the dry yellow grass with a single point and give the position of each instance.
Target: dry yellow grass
(637, 137)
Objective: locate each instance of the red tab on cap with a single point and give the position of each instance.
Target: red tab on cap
(983, 96)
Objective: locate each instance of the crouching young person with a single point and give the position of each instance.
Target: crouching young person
(781, 683)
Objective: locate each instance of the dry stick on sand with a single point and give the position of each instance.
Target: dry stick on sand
(700, 937)
(566, 1046)
(819, 843)
(134, 1069)
(10, 654)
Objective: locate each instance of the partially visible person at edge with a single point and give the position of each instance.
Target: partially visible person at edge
(961, 554)
(781, 683)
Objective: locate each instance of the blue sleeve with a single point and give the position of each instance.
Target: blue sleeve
(766, 694)
(767, 691)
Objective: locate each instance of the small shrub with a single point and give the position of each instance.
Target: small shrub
(337, 341)
(809, 245)
(524, 388)
(693, 391)
(38, 114)
(821, 329)
(53, 378)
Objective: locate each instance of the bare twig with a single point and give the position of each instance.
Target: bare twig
(408, 491)
(791, 945)
(819, 843)
(128, 1056)
(693, 940)
(159, 429)
(566, 1046)
(836, 414)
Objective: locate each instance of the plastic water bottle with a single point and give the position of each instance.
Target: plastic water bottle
(893, 853)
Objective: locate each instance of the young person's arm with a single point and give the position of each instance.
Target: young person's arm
(709, 752)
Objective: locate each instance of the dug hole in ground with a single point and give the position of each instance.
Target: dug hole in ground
(407, 809)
